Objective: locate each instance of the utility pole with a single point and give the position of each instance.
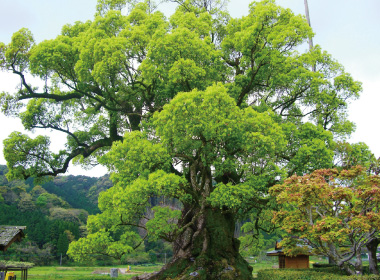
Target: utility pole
(308, 21)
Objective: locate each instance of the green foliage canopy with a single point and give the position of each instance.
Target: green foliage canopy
(104, 77)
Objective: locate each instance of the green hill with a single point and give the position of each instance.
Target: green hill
(54, 213)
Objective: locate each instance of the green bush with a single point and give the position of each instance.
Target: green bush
(328, 268)
(309, 274)
(317, 265)
(295, 274)
(364, 277)
(135, 258)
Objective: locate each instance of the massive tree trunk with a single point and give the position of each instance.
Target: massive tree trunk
(205, 250)
(372, 248)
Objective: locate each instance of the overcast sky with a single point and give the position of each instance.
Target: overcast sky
(347, 29)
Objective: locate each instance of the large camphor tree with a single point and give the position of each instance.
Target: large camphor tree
(202, 108)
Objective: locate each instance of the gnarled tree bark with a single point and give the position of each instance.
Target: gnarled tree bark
(206, 250)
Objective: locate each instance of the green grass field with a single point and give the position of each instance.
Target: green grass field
(87, 273)
(94, 273)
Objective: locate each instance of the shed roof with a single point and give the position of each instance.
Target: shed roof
(10, 234)
(278, 250)
(275, 253)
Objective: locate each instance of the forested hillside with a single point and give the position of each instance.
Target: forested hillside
(55, 213)
(79, 191)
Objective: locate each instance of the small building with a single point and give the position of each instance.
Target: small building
(299, 261)
(10, 234)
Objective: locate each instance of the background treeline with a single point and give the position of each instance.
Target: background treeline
(55, 213)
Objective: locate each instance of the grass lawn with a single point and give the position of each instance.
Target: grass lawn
(78, 272)
(71, 273)
(94, 273)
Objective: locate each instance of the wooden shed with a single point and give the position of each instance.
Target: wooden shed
(10, 234)
(299, 261)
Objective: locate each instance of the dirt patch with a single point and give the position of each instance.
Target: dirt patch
(121, 271)
(101, 272)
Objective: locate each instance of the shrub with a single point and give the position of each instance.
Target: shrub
(308, 274)
(136, 258)
(294, 274)
(329, 268)
(364, 277)
(316, 265)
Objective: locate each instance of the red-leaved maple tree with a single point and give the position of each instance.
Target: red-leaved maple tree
(335, 212)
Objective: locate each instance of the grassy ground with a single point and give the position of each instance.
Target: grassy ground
(94, 273)
(87, 273)
(71, 273)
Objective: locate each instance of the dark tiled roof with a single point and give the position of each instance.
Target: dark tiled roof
(275, 253)
(9, 234)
